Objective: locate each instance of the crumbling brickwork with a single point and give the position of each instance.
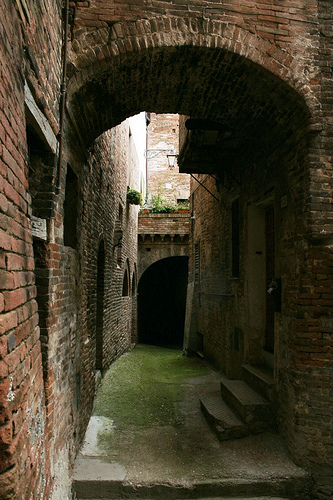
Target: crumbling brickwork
(24, 428)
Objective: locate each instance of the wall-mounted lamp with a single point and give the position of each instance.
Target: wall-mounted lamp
(170, 154)
(171, 159)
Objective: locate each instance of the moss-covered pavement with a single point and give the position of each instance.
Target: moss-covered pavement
(147, 438)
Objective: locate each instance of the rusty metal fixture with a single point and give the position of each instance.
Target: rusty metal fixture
(63, 91)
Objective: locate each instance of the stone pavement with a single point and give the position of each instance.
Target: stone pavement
(148, 439)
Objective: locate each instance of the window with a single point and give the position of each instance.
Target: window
(120, 214)
(134, 284)
(197, 262)
(70, 208)
(126, 282)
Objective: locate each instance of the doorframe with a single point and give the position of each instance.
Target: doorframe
(256, 280)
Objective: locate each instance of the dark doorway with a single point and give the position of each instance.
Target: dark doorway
(270, 274)
(162, 301)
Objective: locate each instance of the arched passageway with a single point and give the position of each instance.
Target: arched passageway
(259, 77)
(266, 116)
(161, 302)
(202, 82)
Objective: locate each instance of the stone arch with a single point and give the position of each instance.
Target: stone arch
(157, 252)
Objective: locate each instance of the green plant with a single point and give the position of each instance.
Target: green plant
(185, 205)
(133, 197)
(159, 207)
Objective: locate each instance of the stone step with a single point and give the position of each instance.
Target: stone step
(221, 418)
(210, 498)
(253, 409)
(261, 379)
(291, 488)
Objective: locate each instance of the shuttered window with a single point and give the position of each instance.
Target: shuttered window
(197, 263)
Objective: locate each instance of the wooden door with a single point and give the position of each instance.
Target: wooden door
(270, 274)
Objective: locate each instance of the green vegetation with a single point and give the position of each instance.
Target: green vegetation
(159, 207)
(133, 197)
(185, 205)
(143, 387)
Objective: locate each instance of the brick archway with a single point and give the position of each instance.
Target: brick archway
(179, 65)
(162, 301)
(94, 46)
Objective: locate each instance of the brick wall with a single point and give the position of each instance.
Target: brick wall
(172, 223)
(48, 361)
(24, 53)
(105, 216)
(168, 183)
(226, 305)
(161, 236)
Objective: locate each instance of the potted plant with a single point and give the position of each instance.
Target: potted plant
(183, 207)
(133, 197)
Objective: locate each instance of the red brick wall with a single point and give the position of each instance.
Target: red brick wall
(172, 223)
(41, 362)
(23, 467)
(46, 370)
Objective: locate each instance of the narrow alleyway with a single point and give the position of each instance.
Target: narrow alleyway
(147, 438)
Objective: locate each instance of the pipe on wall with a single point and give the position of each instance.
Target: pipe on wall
(63, 92)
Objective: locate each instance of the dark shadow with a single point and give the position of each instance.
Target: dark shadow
(71, 208)
(162, 301)
(100, 306)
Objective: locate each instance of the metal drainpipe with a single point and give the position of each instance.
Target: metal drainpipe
(63, 91)
(148, 120)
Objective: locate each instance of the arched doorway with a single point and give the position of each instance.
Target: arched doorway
(161, 302)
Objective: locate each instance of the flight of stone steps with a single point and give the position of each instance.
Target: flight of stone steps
(242, 407)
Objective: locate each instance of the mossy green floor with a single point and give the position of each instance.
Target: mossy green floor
(148, 429)
(144, 386)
